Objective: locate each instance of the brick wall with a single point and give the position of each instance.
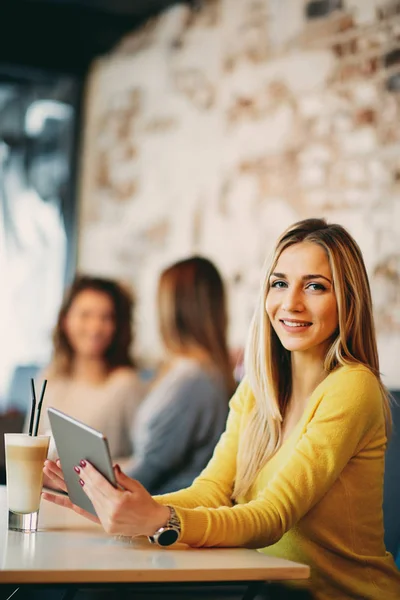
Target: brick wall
(212, 131)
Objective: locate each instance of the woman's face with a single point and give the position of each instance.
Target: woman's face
(90, 323)
(301, 301)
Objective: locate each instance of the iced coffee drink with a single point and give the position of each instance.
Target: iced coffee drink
(25, 456)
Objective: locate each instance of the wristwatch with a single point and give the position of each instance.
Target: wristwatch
(169, 534)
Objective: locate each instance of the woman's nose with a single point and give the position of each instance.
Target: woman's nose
(94, 327)
(292, 301)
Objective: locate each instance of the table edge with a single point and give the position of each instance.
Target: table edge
(156, 576)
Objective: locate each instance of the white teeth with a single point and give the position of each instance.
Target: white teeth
(291, 324)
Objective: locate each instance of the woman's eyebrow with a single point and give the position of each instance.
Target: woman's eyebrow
(315, 276)
(280, 275)
(304, 278)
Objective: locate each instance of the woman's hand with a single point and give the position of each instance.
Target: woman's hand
(53, 476)
(130, 511)
(65, 502)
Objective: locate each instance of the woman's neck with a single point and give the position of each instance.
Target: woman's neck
(307, 372)
(90, 370)
(194, 353)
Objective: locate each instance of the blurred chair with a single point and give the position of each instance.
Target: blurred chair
(10, 422)
(391, 490)
(18, 395)
(17, 402)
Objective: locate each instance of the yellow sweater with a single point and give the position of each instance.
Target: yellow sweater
(317, 501)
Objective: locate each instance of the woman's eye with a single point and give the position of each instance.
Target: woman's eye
(318, 287)
(278, 284)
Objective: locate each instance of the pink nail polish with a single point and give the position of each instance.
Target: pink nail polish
(82, 463)
(77, 470)
(82, 482)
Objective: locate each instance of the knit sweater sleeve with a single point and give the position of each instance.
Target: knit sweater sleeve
(344, 420)
(194, 405)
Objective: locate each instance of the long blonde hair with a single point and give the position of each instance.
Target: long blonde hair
(193, 314)
(267, 362)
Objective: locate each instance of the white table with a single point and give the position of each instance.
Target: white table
(68, 549)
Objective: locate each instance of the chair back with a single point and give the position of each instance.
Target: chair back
(10, 422)
(391, 489)
(18, 395)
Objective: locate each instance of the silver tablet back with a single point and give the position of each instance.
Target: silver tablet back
(76, 441)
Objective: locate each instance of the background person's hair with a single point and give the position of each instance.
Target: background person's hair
(268, 365)
(118, 352)
(193, 314)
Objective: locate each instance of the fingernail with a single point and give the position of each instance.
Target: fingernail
(77, 470)
(82, 482)
(82, 463)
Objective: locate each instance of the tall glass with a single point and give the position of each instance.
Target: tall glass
(25, 456)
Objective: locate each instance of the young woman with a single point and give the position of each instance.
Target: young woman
(91, 375)
(298, 472)
(191, 394)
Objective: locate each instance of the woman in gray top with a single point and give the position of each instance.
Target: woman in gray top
(180, 421)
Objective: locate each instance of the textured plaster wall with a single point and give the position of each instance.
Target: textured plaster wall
(211, 132)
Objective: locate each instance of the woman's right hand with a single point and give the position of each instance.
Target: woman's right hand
(53, 476)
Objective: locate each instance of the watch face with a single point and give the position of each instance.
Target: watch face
(168, 537)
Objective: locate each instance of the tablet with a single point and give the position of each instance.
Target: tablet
(76, 441)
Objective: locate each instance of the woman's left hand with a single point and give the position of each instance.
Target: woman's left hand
(130, 511)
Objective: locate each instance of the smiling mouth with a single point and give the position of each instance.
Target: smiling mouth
(295, 324)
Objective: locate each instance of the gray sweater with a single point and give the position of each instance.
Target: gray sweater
(177, 427)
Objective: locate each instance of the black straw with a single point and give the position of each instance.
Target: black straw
(32, 407)
(40, 407)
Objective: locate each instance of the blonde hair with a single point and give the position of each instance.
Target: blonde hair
(268, 366)
(193, 315)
